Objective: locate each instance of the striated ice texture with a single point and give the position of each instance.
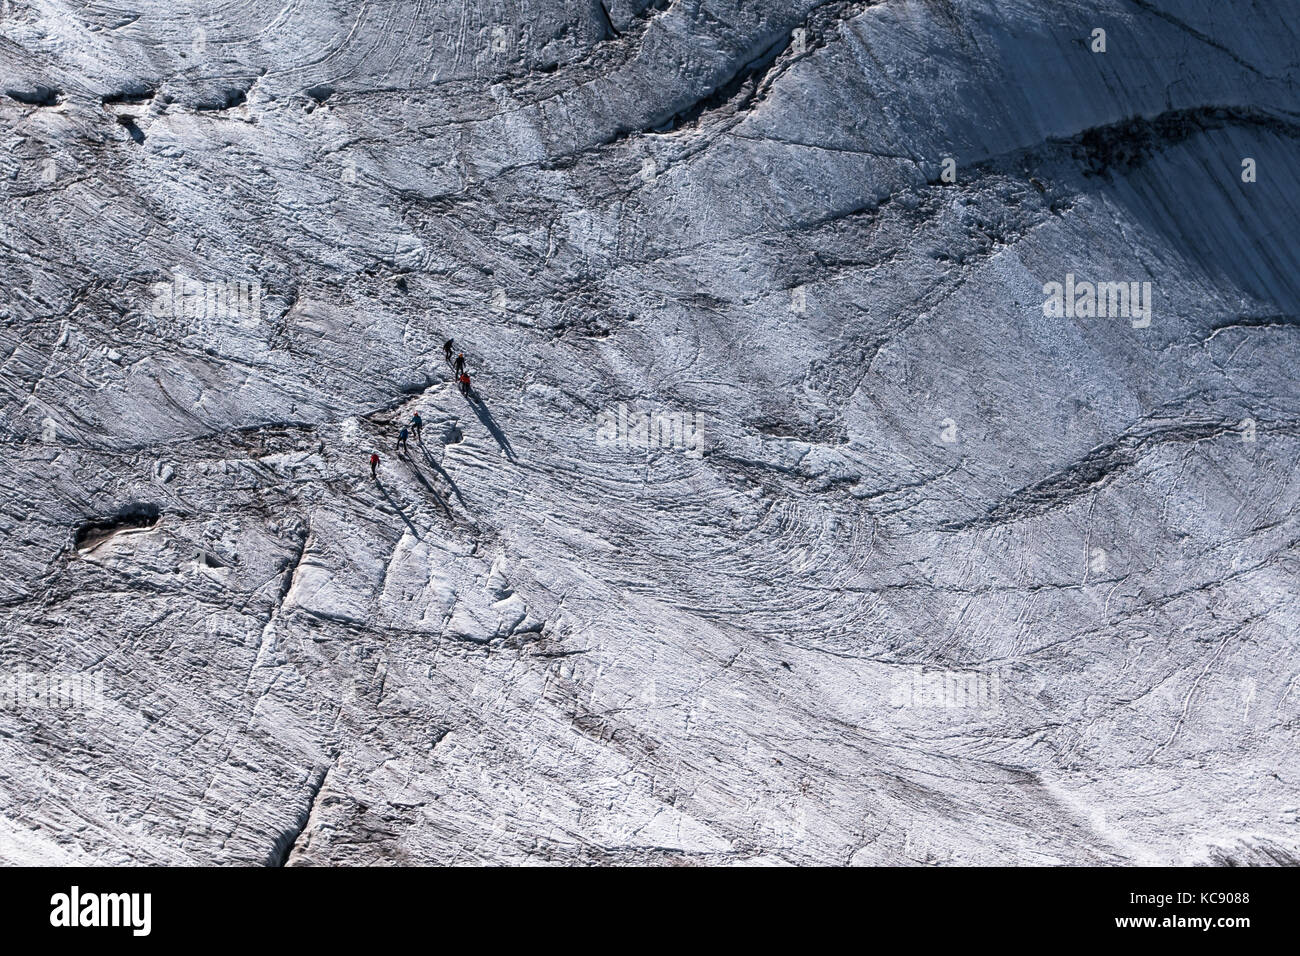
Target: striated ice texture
(791, 522)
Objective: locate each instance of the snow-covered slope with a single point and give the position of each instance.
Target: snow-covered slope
(915, 572)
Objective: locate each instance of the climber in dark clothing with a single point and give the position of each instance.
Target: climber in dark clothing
(417, 425)
(446, 349)
(374, 463)
(460, 363)
(401, 439)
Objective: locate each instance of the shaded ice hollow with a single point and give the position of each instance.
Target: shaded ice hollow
(786, 527)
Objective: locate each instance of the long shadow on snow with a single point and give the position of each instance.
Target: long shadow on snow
(427, 486)
(440, 470)
(397, 508)
(481, 410)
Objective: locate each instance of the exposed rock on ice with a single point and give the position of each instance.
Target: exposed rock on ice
(945, 580)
